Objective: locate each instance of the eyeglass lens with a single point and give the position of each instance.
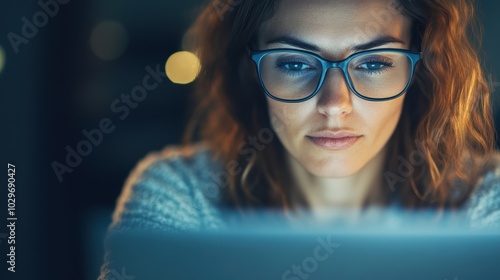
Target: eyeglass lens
(293, 76)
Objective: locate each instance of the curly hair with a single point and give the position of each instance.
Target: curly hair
(436, 155)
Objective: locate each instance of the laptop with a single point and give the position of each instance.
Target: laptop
(412, 247)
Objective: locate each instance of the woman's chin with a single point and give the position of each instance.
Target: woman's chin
(332, 170)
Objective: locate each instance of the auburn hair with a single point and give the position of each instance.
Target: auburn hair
(438, 151)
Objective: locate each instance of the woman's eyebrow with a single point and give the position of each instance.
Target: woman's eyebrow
(292, 41)
(377, 42)
(289, 40)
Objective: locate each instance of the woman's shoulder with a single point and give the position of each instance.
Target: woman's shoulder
(483, 206)
(172, 189)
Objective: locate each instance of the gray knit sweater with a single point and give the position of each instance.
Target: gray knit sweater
(179, 188)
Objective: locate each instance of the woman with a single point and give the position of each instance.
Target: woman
(325, 105)
(405, 117)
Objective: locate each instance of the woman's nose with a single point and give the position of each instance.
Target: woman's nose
(334, 96)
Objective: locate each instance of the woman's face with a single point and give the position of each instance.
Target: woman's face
(332, 29)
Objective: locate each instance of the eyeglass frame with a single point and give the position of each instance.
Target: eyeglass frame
(256, 56)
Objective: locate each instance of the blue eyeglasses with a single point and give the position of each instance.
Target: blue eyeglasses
(290, 75)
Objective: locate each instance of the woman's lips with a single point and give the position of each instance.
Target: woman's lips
(338, 143)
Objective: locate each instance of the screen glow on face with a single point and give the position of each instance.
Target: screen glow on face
(334, 31)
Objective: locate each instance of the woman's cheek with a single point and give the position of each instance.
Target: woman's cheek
(278, 126)
(282, 116)
(383, 121)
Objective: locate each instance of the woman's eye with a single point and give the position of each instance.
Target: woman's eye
(296, 66)
(374, 66)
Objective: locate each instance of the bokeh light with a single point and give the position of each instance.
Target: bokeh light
(109, 40)
(182, 67)
(2, 58)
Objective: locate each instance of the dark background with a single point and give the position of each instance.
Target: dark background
(55, 87)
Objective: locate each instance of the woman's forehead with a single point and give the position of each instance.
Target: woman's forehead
(341, 6)
(334, 25)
